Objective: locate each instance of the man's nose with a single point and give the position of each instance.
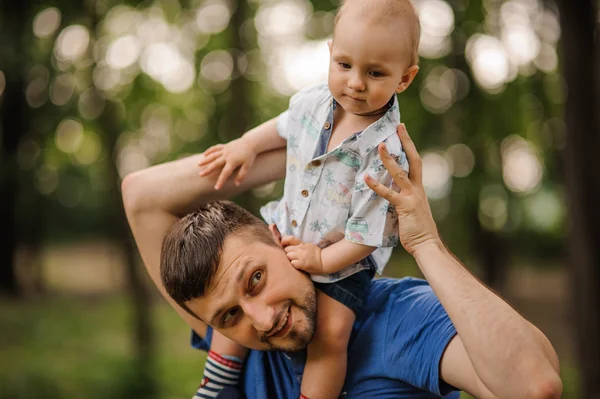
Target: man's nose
(356, 82)
(260, 315)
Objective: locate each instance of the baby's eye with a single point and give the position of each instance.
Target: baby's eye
(376, 74)
(344, 65)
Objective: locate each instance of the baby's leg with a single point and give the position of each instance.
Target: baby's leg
(222, 368)
(325, 368)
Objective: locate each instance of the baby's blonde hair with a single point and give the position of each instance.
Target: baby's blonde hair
(401, 11)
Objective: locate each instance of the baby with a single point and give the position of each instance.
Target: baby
(334, 227)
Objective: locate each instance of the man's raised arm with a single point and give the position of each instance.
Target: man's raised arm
(497, 353)
(156, 197)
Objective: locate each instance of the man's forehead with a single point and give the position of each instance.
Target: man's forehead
(235, 256)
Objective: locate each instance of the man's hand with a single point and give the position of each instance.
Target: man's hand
(416, 225)
(303, 255)
(237, 153)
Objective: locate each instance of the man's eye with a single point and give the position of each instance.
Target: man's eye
(344, 65)
(255, 280)
(229, 315)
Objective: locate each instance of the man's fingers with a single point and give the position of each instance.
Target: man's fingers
(225, 173)
(412, 155)
(394, 169)
(380, 189)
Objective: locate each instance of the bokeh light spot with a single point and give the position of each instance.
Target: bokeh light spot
(46, 22)
(72, 43)
(436, 175)
(123, 52)
(217, 66)
(437, 23)
(69, 136)
(213, 17)
(463, 160)
(521, 168)
(62, 89)
(46, 179)
(89, 150)
(493, 207)
(91, 103)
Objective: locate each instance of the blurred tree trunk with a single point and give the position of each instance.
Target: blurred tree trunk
(239, 112)
(583, 181)
(14, 123)
(110, 123)
(240, 95)
(144, 386)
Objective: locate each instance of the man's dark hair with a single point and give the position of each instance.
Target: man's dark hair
(191, 250)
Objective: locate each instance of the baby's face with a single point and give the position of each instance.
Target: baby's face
(367, 64)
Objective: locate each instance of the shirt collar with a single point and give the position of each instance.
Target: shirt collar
(378, 131)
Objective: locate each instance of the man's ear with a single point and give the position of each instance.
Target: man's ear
(407, 78)
(275, 232)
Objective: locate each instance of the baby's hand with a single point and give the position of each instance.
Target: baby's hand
(303, 255)
(236, 153)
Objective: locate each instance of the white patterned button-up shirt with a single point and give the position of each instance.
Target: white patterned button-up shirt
(325, 197)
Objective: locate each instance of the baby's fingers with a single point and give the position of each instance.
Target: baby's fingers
(213, 148)
(297, 264)
(290, 249)
(242, 173)
(290, 240)
(208, 158)
(225, 173)
(211, 167)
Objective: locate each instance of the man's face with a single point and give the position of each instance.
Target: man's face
(257, 298)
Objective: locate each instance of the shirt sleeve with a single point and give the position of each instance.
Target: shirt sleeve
(372, 220)
(420, 336)
(283, 121)
(203, 344)
(282, 124)
(309, 94)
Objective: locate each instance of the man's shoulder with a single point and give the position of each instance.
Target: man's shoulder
(390, 301)
(385, 289)
(403, 323)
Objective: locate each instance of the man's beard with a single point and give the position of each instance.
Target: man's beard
(298, 340)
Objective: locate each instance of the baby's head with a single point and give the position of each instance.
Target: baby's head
(373, 53)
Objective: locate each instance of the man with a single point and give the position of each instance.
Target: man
(402, 346)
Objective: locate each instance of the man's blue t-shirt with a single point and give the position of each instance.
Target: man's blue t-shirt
(394, 351)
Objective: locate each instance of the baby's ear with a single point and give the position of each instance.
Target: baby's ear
(330, 44)
(275, 232)
(407, 78)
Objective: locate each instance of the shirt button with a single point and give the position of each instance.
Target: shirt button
(316, 163)
(294, 223)
(304, 193)
(327, 125)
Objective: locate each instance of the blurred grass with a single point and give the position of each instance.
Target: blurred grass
(73, 347)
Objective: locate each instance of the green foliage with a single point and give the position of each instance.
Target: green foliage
(73, 347)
